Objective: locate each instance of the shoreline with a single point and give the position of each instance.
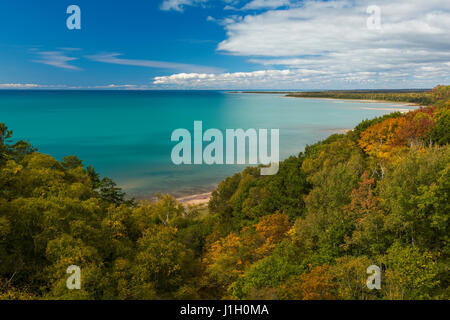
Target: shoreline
(289, 94)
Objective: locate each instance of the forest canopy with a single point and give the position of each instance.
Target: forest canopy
(378, 194)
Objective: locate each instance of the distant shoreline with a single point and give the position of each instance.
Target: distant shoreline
(291, 94)
(356, 91)
(400, 103)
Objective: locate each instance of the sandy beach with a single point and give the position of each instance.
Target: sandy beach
(195, 199)
(395, 103)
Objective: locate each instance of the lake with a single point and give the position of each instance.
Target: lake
(126, 135)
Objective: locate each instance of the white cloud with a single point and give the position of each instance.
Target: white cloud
(113, 58)
(265, 4)
(236, 80)
(116, 86)
(338, 26)
(224, 21)
(71, 87)
(323, 73)
(178, 5)
(331, 40)
(57, 59)
(228, 7)
(18, 85)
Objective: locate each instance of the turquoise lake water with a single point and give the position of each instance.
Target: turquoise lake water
(125, 135)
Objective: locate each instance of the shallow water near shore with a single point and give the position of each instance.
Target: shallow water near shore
(126, 135)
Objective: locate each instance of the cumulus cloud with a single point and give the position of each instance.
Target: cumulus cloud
(319, 27)
(114, 59)
(236, 80)
(332, 40)
(294, 79)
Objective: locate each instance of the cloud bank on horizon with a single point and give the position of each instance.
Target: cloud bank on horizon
(246, 44)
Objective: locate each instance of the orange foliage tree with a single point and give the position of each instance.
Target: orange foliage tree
(271, 230)
(317, 284)
(229, 257)
(379, 139)
(383, 139)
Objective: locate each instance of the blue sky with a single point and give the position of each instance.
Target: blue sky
(224, 44)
